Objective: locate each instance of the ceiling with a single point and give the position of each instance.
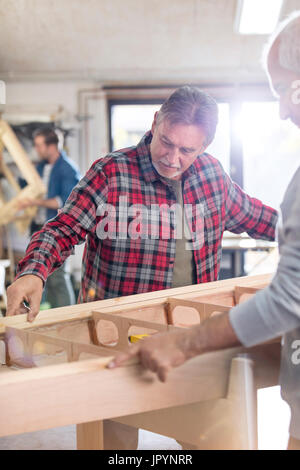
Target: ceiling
(127, 40)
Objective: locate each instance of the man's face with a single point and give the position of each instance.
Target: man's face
(285, 84)
(174, 147)
(41, 148)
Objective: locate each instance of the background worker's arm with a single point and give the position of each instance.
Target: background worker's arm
(51, 203)
(69, 179)
(49, 248)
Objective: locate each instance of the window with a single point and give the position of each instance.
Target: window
(129, 122)
(257, 149)
(271, 151)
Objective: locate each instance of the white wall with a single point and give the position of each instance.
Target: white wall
(65, 93)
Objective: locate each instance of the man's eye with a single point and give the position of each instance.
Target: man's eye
(168, 144)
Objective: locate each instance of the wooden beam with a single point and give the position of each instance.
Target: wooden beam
(84, 391)
(29, 338)
(116, 305)
(90, 436)
(35, 187)
(18, 154)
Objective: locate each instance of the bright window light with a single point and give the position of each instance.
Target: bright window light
(257, 16)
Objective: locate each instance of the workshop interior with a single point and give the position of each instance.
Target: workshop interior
(149, 280)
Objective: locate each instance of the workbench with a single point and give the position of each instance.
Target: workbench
(209, 402)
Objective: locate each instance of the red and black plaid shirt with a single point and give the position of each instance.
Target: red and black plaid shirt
(120, 266)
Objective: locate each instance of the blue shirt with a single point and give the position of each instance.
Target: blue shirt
(64, 176)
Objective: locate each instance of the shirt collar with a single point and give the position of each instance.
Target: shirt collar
(144, 158)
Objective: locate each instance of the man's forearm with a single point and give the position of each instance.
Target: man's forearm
(48, 203)
(49, 247)
(213, 334)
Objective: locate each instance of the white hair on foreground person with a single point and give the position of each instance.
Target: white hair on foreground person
(288, 33)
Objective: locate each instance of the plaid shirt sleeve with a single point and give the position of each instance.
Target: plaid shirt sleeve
(50, 247)
(247, 214)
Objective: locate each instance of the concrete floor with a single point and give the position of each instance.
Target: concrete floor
(64, 438)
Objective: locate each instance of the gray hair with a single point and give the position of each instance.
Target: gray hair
(191, 106)
(289, 47)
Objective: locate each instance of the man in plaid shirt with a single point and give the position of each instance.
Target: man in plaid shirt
(126, 253)
(117, 261)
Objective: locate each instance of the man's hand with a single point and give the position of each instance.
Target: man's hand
(161, 352)
(28, 288)
(26, 203)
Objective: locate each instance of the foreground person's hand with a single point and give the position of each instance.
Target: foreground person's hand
(161, 352)
(29, 289)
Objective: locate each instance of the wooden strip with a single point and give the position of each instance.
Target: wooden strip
(205, 309)
(19, 155)
(83, 391)
(241, 290)
(123, 323)
(9, 175)
(210, 309)
(72, 348)
(83, 311)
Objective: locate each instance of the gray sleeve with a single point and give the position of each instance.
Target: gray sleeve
(276, 309)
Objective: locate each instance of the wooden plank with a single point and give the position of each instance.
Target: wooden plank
(29, 338)
(204, 309)
(35, 187)
(18, 154)
(83, 391)
(245, 291)
(9, 175)
(225, 423)
(83, 311)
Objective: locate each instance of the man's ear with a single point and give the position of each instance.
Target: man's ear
(204, 147)
(154, 122)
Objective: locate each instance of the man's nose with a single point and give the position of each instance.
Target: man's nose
(173, 156)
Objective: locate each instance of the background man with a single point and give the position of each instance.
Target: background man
(275, 310)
